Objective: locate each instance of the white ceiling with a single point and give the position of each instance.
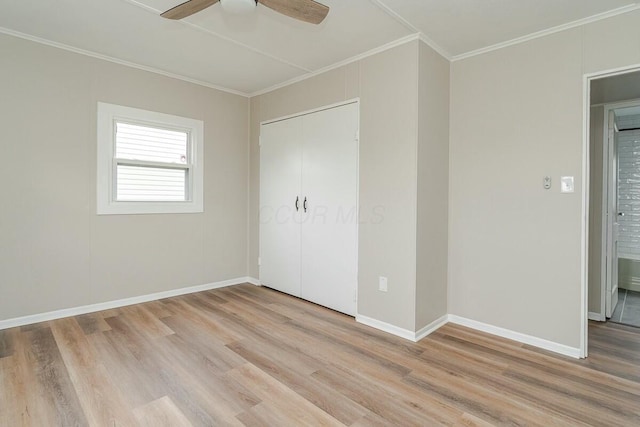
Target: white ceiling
(250, 53)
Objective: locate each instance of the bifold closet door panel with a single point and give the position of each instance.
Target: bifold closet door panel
(280, 180)
(329, 227)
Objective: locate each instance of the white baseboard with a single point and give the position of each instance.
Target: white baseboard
(386, 327)
(431, 327)
(473, 324)
(596, 316)
(516, 336)
(369, 321)
(401, 332)
(253, 281)
(75, 311)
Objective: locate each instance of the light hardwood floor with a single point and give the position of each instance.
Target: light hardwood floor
(245, 355)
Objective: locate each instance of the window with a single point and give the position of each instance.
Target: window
(148, 162)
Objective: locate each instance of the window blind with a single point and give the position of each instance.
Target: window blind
(150, 184)
(141, 154)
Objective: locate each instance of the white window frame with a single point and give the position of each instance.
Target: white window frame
(108, 115)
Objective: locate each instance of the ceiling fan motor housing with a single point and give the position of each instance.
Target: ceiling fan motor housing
(239, 6)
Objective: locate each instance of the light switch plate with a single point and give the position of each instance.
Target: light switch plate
(566, 184)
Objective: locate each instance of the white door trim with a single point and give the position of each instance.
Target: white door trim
(586, 122)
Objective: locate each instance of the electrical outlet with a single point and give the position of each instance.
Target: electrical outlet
(382, 284)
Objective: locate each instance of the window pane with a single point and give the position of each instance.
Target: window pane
(136, 142)
(140, 183)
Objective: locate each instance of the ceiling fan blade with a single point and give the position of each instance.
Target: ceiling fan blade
(187, 8)
(304, 10)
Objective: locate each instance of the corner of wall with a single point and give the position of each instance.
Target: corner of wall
(432, 162)
(248, 225)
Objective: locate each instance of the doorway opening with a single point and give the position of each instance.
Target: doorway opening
(613, 227)
(621, 289)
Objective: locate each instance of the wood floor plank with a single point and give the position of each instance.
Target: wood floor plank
(549, 390)
(231, 397)
(100, 399)
(192, 334)
(149, 324)
(564, 398)
(189, 394)
(247, 355)
(161, 413)
(41, 357)
(204, 315)
(92, 323)
(7, 338)
(473, 421)
(124, 369)
(299, 410)
(276, 352)
(21, 382)
(137, 359)
(548, 401)
(159, 309)
(404, 410)
(489, 405)
(13, 394)
(320, 345)
(300, 381)
(483, 344)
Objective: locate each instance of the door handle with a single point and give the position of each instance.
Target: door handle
(297, 203)
(620, 213)
(304, 204)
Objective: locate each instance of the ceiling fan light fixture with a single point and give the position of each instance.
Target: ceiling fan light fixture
(239, 6)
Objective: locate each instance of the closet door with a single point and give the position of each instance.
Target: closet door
(280, 175)
(329, 228)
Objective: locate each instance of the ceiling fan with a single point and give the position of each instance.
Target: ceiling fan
(304, 10)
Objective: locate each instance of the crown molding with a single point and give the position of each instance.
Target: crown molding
(548, 31)
(391, 45)
(107, 58)
(433, 45)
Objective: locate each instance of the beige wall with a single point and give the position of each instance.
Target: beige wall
(55, 252)
(388, 174)
(433, 187)
(595, 209)
(516, 116)
(615, 89)
(387, 85)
